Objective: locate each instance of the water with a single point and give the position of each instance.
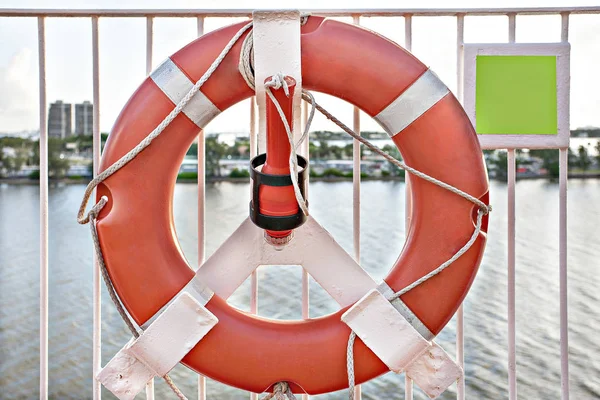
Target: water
(331, 203)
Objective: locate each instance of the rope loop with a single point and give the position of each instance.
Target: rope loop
(277, 82)
(92, 215)
(281, 391)
(94, 211)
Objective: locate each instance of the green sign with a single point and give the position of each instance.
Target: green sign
(516, 95)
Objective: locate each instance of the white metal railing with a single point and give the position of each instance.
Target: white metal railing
(201, 15)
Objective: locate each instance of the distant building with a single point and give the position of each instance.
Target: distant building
(59, 120)
(84, 114)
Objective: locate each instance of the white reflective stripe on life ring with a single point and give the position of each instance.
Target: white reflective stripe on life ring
(423, 94)
(175, 85)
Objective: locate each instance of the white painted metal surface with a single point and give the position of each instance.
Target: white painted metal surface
(364, 12)
(460, 317)
(562, 249)
(537, 141)
(408, 383)
(562, 246)
(303, 151)
(434, 371)
(312, 247)
(200, 14)
(511, 258)
(149, 53)
(385, 331)
(43, 212)
(276, 50)
(356, 194)
(201, 206)
(254, 276)
(159, 348)
(511, 271)
(97, 142)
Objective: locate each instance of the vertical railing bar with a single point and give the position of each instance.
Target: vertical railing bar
(562, 249)
(201, 157)
(511, 292)
(149, 48)
(97, 294)
(564, 34)
(512, 27)
(460, 316)
(43, 211)
(512, 367)
(254, 276)
(356, 193)
(408, 383)
(149, 43)
(562, 253)
(304, 150)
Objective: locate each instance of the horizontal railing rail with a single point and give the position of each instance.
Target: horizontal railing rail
(362, 12)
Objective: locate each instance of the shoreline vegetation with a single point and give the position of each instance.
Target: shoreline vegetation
(227, 159)
(209, 180)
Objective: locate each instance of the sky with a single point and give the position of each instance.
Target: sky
(122, 53)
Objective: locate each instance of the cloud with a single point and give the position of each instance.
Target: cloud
(18, 93)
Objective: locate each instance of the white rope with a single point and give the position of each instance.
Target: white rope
(486, 208)
(81, 218)
(443, 266)
(245, 68)
(93, 213)
(278, 81)
(350, 365)
(281, 390)
(247, 72)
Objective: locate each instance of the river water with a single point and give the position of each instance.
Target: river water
(537, 316)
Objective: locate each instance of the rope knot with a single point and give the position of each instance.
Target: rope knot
(281, 391)
(278, 81)
(94, 211)
(485, 209)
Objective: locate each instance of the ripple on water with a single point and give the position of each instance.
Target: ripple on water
(382, 235)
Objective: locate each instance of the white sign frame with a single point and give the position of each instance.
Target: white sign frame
(532, 141)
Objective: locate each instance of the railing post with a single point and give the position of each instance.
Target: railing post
(562, 250)
(201, 157)
(149, 50)
(460, 316)
(43, 211)
(511, 292)
(254, 275)
(408, 383)
(97, 294)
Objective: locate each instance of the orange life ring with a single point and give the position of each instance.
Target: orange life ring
(147, 266)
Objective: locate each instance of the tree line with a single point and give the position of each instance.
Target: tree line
(17, 152)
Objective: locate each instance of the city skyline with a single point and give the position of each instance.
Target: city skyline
(63, 122)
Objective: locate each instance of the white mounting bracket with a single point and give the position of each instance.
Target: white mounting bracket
(276, 49)
(312, 247)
